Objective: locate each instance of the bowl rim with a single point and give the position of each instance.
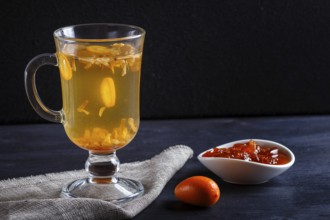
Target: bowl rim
(281, 146)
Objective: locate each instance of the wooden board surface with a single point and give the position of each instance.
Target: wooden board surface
(303, 192)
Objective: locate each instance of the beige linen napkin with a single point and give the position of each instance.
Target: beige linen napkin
(38, 197)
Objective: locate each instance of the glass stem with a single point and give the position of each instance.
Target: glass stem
(102, 167)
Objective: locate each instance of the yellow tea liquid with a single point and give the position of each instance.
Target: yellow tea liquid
(100, 90)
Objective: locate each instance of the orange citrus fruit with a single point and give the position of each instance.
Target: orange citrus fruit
(198, 190)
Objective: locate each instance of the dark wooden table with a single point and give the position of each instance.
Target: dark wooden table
(303, 192)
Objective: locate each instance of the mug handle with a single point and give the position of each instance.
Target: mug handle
(31, 89)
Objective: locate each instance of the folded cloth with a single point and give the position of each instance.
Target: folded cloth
(38, 197)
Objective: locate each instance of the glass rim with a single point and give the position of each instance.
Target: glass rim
(58, 33)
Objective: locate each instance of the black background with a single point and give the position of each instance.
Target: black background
(201, 58)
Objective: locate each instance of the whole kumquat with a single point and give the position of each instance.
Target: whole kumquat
(198, 190)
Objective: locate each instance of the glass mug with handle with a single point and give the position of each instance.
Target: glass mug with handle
(100, 67)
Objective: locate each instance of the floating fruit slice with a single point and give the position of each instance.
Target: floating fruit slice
(74, 67)
(108, 92)
(65, 67)
(135, 66)
(98, 49)
(98, 134)
(87, 66)
(123, 66)
(123, 129)
(101, 111)
(132, 125)
(107, 141)
(82, 108)
(127, 49)
(118, 45)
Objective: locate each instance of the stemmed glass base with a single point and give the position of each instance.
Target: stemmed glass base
(102, 182)
(122, 190)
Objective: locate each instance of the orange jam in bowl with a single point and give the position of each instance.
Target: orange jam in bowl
(251, 151)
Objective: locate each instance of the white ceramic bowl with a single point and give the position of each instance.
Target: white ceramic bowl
(246, 172)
